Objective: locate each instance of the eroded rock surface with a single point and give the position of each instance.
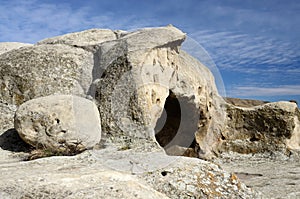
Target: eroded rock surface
(63, 124)
(150, 94)
(85, 39)
(7, 112)
(8, 46)
(270, 127)
(42, 70)
(145, 72)
(115, 174)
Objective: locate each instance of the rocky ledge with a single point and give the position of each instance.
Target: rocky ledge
(127, 106)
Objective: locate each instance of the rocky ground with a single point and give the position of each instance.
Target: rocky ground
(273, 174)
(110, 173)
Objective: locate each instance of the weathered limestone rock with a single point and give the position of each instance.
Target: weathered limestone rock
(7, 112)
(43, 70)
(149, 93)
(104, 174)
(146, 87)
(144, 72)
(8, 46)
(270, 127)
(59, 123)
(206, 181)
(85, 39)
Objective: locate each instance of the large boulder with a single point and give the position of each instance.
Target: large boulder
(36, 71)
(144, 81)
(59, 123)
(269, 127)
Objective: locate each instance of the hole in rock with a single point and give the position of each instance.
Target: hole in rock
(178, 123)
(223, 137)
(253, 139)
(164, 173)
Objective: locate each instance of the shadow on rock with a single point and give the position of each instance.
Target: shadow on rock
(11, 141)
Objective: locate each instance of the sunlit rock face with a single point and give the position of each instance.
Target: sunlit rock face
(62, 124)
(40, 70)
(149, 85)
(268, 127)
(133, 77)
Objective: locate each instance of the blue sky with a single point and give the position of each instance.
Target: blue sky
(255, 44)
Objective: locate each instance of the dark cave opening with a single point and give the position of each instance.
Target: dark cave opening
(178, 123)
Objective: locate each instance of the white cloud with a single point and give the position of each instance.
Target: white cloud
(244, 53)
(283, 90)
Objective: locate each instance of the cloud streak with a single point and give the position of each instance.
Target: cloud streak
(244, 53)
(31, 21)
(283, 90)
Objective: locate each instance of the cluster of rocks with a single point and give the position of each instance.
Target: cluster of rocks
(132, 97)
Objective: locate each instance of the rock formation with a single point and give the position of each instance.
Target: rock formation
(151, 95)
(42, 70)
(146, 72)
(270, 127)
(62, 124)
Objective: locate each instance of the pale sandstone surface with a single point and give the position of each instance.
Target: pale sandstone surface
(121, 174)
(151, 95)
(86, 39)
(36, 71)
(59, 123)
(8, 46)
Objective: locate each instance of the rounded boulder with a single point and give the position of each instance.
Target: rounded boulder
(62, 124)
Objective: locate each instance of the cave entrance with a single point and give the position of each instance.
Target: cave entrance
(178, 124)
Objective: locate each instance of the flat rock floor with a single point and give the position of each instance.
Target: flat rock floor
(275, 176)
